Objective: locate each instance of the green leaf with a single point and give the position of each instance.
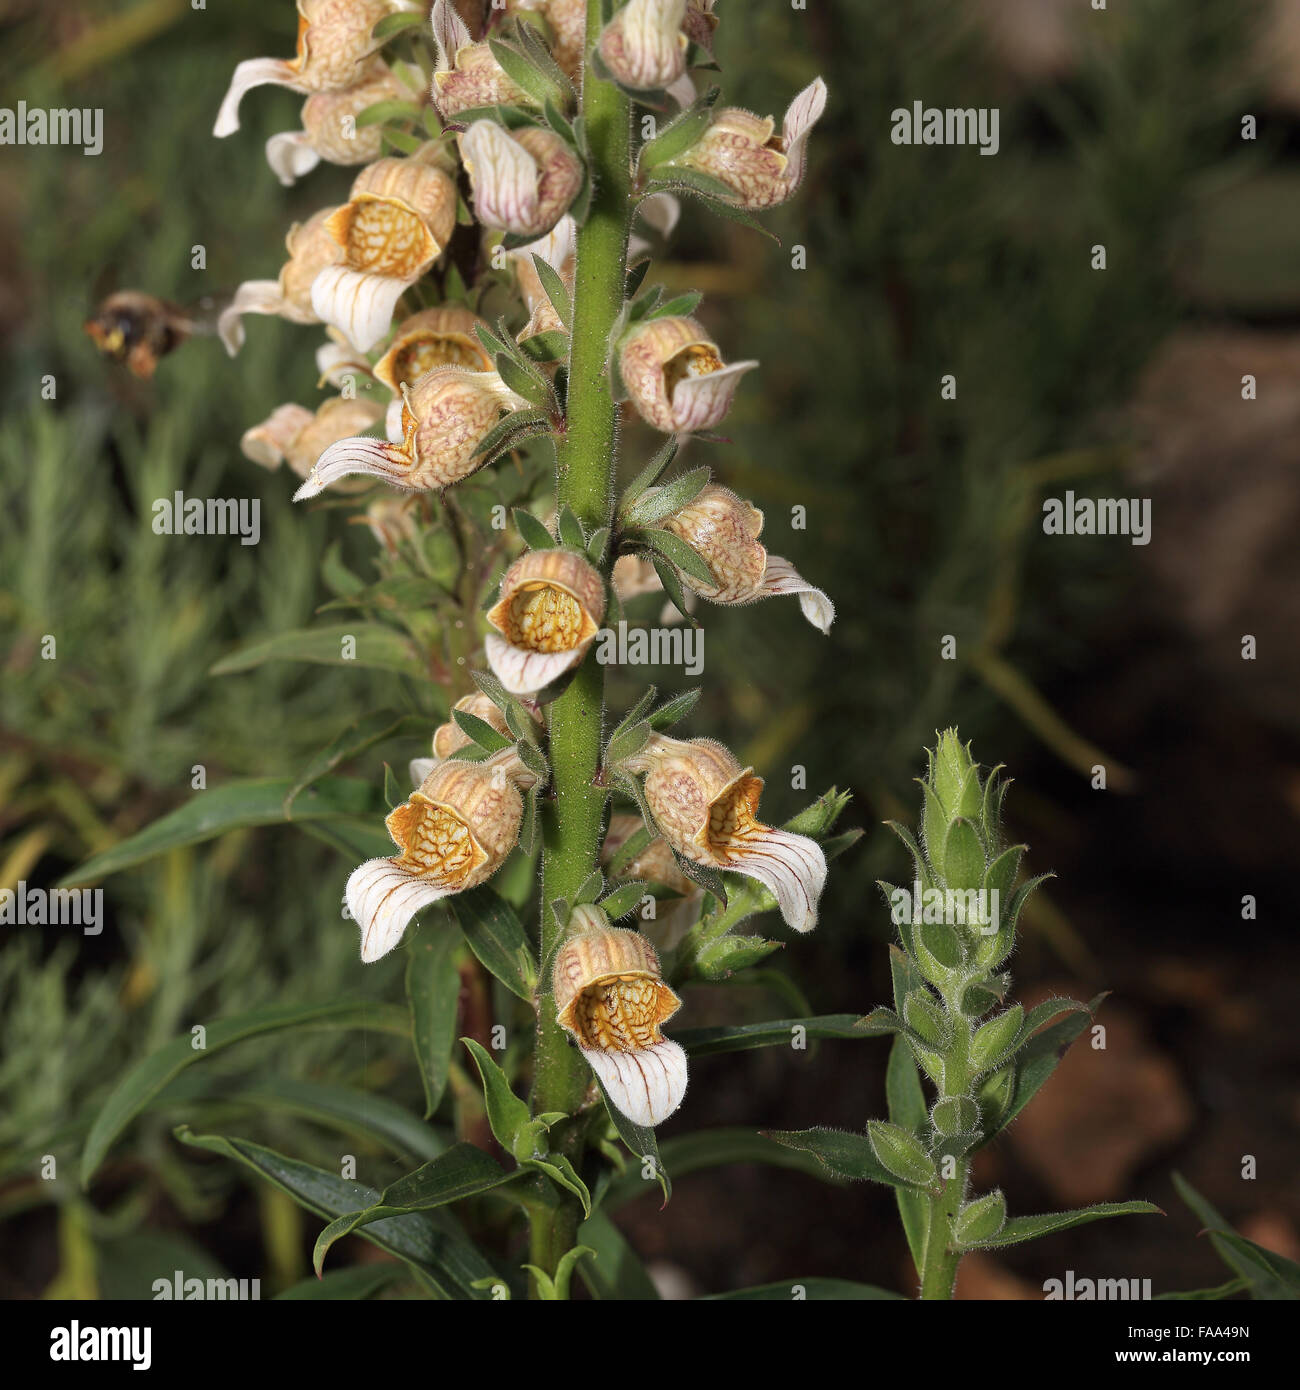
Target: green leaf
(527, 72)
(845, 1155)
(902, 1154)
(556, 290)
(531, 531)
(396, 24)
(616, 1272)
(1207, 1295)
(463, 1171)
(705, 1042)
(496, 936)
(511, 431)
(1042, 1054)
(480, 731)
(390, 110)
(561, 1171)
(344, 1285)
(721, 958)
(518, 720)
(627, 742)
(442, 1258)
(375, 646)
(652, 507)
(571, 532)
(963, 858)
(355, 739)
(907, 1107)
(1268, 1275)
(235, 806)
(641, 1143)
(523, 382)
(551, 346)
(994, 1039)
(678, 136)
(432, 994)
(651, 473)
(375, 1117)
(672, 586)
(799, 1290)
(674, 711)
(624, 899)
(1000, 876)
(598, 544)
(934, 828)
(676, 552)
(509, 1117)
(1023, 1228)
(980, 1220)
(680, 307)
(144, 1080)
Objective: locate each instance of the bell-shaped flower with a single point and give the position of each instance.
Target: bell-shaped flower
(643, 46)
(399, 217)
(454, 833)
(450, 738)
(467, 75)
(330, 131)
(551, 606)
(443, 419)
(335, 47)
(740, 150)
(655, 863)
(522, 180)
(311, 248)
(440, 337)
(723, 530)
(558, 248)
(706, 806)
(675, 377)
(610, 995)
(566, 21)
(297, 436)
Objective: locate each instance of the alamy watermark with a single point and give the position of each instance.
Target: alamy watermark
(652, 646)
(951, 125)
(179, 515)
(1084, 1290)
(970, 907)
(53, 907)
(1098, 516)
(34, 125)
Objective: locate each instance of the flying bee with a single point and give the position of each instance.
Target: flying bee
(140, 329)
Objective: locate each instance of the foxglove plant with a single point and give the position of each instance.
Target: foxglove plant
(485, 298)
(983, 1058)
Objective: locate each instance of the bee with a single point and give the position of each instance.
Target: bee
(140, 329)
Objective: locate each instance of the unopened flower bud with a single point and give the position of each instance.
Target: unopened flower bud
(643, 46)
(468, 75)
(610, 995)
(706, 805)
(297, 436)
(444, 418)
(453, 834)
(523, 180)
(399, 217)
(439, 337)
(551, 607)
(335, 44)
(723, 530)
(329, 129)
(311, 248)
(675, 377)
(740, 150)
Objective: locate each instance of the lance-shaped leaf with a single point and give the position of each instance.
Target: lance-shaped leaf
(1023, 1228)
(432, 995)
(677, 137)
(673, 711)
(480, 731)
(847, 1156)
(641, 1143)
(907, 1108)
(497, 937)
(651, 508)
(740, 1037)
(675, 551)
(651, 473)
(1267, 1274)
(902, 1153)
(355, 739)
(351, 644)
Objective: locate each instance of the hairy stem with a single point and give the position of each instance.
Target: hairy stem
(572, 823)
(939, 1263)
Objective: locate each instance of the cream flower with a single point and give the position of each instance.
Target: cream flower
(610, 995)
(443, 419)
(740, 150)
(723, 530)
(453, 834)
(298, 436)
(439, 337)
(643, 46)
(523, 180)
(311, 248)
(329, 129)
(551, 606)
(675, 377)
(399, 217)
(335, 45)
(468, 75)
(705, 805)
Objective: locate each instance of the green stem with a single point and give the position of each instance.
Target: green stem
(939, 1263)
(572, 823)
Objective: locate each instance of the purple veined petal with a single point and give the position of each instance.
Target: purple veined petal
(450, 33)
(382, 898)
(419, 768)
(503, 176)
(252, 297)
(360, 305)
(253, 72)
(291, 155)
(523, 672)
(700, 402)
(359, 454)
(781, 577)
(646, 1085)
(802, 114)
(792, 866)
